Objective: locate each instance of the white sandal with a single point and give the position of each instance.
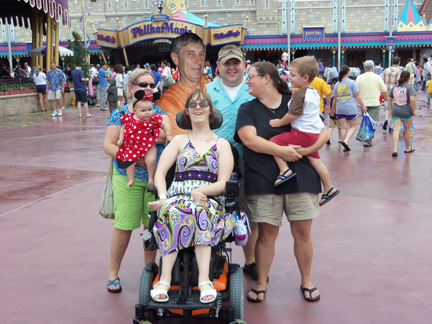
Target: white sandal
(157, 292)
(207, 293)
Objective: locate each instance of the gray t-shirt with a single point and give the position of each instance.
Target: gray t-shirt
(344, 91)
(401, 100)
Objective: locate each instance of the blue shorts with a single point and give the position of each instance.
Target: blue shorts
(429, 95)
(41, 89)
(347, 117)
(403, 119)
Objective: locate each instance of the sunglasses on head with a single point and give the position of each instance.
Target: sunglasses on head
(144, 84)
(202, 104)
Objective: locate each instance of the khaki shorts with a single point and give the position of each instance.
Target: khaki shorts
(269, 208)
(54, 94)
(374, 112)
(333, 123)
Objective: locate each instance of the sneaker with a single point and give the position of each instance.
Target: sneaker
(64, 107)
(385, 125)
(328, 142)
(54, 113)
(60, 112)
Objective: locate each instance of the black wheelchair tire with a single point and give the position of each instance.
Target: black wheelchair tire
(236, 298)
(147, 276)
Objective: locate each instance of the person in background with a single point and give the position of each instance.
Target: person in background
(137, 67)
(228, 92)
(27, 69)
(158, 78)
(248, 66)
(208, 71)
(97, 88)
(67, 73)
(403, 109)
(371, 87)
(118, 69)
(112, 95)
(429, 90)
(103, 82)
(391, 75)
(128, 71)
(417, 76)
(410, 67)
(110, 70)
(55, 88)
(80, 89)
(166, 74)
(378, 69)
(32, 69)
(320, 73)
(20, 71)
(67, 78)
(39, 79)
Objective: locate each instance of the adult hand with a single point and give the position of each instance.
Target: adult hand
(169, 138)
(364, 109)
(275, 123)
(415, 113)
(62, 91)
(198, 197)
(327, 109)
(332, 113)
(290, 154)
(155, 205)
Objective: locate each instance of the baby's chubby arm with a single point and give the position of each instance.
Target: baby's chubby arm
(166, 126)
(287, 119)
(121, 136)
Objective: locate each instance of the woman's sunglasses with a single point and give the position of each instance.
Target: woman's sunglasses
(202, 104)
(144, 84)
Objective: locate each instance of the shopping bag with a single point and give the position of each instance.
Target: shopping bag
(367, 130)
(241, 229)
(106, 207)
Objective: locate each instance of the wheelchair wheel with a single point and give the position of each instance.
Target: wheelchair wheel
(236, 298)
(147, 276)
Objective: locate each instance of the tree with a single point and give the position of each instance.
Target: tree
(80, 53)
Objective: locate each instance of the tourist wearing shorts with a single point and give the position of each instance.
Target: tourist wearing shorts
(39, 79)
(265, 203)
(371, 87)
(55, 88)
(130, 204)
(80, 90)
(345, 93)
(403, 109)
(103, 83)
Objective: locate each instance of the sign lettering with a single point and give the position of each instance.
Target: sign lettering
(164, 29)
(229, 33)
(107, 39)
(313, 33)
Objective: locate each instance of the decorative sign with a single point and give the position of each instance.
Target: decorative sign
(229, 33)
(106, 38)
(165, 28)
(313, 33)
(162, 41)
(160, 17)
(225, 35)
(391, 43)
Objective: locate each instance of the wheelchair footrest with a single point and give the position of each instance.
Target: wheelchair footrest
(185, 301)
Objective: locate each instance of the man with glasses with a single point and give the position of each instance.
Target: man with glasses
(188, 54)
(103, 82)
(228, 93)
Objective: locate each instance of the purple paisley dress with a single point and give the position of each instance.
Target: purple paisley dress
(183, 223)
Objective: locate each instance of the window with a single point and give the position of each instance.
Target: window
(267, 4)
(219, 3)
(237, 2)
(203, 3)
(146, 4)
(252, 2)
(126, 5)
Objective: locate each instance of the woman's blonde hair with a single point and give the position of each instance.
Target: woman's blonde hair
(201, 95)
(135, 75)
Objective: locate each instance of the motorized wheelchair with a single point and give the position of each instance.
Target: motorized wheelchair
(184, 296)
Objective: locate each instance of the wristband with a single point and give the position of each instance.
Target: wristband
(162, 197)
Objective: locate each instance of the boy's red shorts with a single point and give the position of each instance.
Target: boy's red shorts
(296, 137)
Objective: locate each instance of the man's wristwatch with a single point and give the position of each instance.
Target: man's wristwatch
(162, 197)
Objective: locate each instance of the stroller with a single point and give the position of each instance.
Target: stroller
(184, 301)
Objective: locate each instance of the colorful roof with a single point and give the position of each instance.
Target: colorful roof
(410, 14)
(187, 16)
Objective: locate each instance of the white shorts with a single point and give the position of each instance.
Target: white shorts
(54, 94)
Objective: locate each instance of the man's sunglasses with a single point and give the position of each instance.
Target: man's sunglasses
(202, 104)
(145, 84)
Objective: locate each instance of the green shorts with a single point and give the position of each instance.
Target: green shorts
(374, 112)
(130, 204)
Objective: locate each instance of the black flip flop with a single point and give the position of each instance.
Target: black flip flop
(284, 178)
(346, 147)
(394, 154)
(257, 292)
(310, 291)
(251, 271)
(410, 151)
(329, 197)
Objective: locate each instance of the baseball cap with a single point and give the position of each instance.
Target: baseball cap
(248, 61)
(228, 52)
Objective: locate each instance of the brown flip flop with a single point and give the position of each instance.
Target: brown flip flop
(89, 116)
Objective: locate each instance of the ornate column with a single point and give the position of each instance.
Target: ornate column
(334, 56)
(343, 55)
(292, 54)
(384, 56)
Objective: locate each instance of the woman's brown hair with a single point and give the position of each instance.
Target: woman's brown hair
(200, 96)
(404, 77)
(264, 68)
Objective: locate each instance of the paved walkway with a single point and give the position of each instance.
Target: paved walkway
(372, 262)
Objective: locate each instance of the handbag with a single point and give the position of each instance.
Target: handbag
(67, 89)
(167, 82)
(367, 130)
(106, 207)
(241, 228)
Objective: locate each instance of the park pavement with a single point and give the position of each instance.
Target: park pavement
(372, 259)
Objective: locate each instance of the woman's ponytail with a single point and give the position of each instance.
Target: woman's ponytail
(343, 71)
(280, 84)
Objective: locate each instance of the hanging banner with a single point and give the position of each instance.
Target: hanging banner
(386, 18)
(292, 17)
(391, 43)
(343, 16)
(335, 16)
(313, 33)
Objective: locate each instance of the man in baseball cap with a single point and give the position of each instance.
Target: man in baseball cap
(228, 92)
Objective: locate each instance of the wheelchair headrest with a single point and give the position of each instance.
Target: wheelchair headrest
(218, 121)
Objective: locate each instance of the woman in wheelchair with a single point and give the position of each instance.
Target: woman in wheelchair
(191, 213)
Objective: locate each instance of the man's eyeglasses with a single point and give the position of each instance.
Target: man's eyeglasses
(145, 84)
(202, 104)
(250, 77)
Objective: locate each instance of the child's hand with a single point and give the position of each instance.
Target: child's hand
(119, 142)
(169, 138)
(275, 123)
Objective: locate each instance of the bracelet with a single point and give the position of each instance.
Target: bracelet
(162, 197)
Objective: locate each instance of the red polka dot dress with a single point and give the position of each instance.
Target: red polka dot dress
(139, 137)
